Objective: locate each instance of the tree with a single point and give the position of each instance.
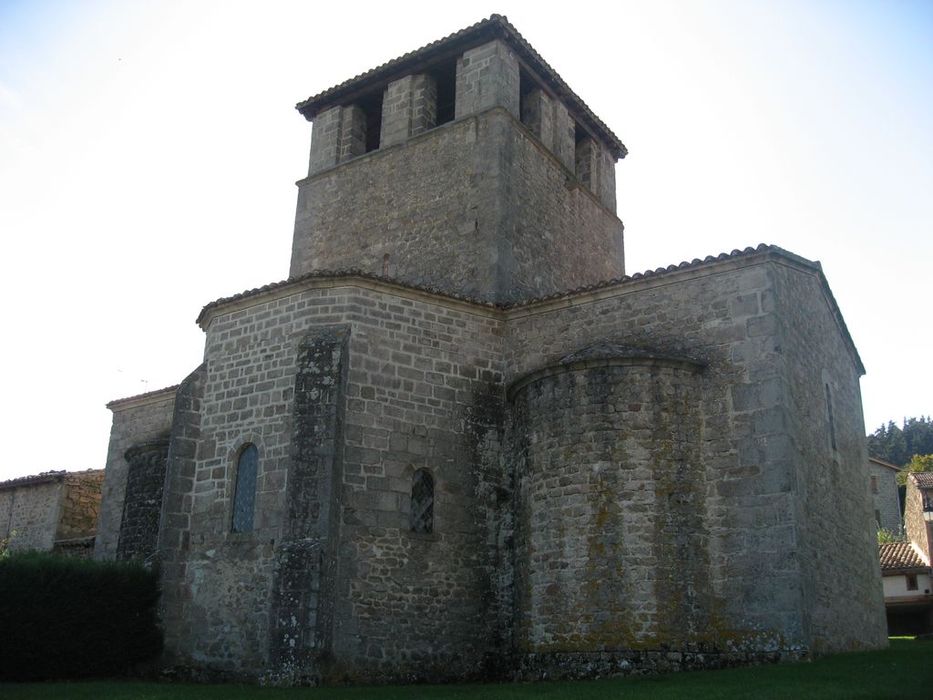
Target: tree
(885, 536)
(898, 445)
(917, 463)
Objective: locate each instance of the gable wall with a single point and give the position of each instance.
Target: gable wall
(842, 594)
(886, 501)
(917, 529)
(29, 514)
(80, 504)
(133, 424)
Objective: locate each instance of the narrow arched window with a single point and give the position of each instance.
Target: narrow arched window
(244, 496)
(832, 422)
(421, 516)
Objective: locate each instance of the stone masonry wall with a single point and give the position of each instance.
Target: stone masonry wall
(487, 77)
(611, 544)
(409, 107)
(842, 595)
(549, 120)
(339, 135)
(80, 505)
(306, 557)
(476, 207)
(595, 168)
(422, 395)
(424, 390)
(405, 605)
(135, 421)
(29, 514)
(142, 500)
(916, 528)
(174, 540)
(885, 501)
(428, 205)
(556, 235)
(719, 316)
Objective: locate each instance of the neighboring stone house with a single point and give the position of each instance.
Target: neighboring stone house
(905, 566)
(52, 511)
(883, 484)
(907, 588)
(918, 511)
(461, 442)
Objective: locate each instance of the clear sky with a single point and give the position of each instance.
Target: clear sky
(148, 154)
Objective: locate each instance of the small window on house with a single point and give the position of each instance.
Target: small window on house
(878, 517)
(421, 516)
(874, 484)
(911, 582)
(244, 496)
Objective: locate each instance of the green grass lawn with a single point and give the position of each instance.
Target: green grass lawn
(905, 670)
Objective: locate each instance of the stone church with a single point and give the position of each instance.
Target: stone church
(460, 442)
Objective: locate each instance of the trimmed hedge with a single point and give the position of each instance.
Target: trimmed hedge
(62, 617)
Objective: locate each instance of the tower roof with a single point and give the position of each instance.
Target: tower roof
(428, 56)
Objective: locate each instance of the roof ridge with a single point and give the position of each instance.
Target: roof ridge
(144, 395)
(647, 274)
(40, 478)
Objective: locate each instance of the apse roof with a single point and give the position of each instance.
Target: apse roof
(695, 264)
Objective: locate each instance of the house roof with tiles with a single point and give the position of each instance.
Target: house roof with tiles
(924, 480)
(150, 396)
(32, 480)
(897, 557)
(429, 55)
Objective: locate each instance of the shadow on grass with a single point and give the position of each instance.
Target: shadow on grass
(905, 670)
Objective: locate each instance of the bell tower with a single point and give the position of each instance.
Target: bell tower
(468, 166)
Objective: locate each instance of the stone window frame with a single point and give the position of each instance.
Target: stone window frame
(830, 416)
(829, 392)
(233, 463)
(431, 531)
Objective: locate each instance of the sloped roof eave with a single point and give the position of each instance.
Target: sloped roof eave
(762, 250)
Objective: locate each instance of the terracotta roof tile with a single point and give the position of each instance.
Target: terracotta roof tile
(924, 479)
(354, 272)
(497, 26)
(146, 395)
(32, 479)
(696, 263)
(897, 556)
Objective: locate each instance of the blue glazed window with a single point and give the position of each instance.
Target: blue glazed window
(245, 495)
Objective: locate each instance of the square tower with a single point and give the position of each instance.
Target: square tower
(468, 166)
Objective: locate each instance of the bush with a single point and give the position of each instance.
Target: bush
(62, 617)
